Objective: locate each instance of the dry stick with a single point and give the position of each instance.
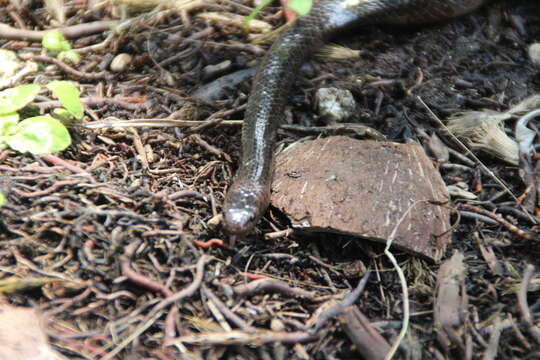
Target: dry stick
(145, 282)
(189, 290)
(369, 343)
(55, 160)
(152, 123)
(156, 312)
(129, 103)
(491, 351)
(475, 158)
(10, 33)
(511, 227)
(523, 306)
(48, 190)
(239, 337)
(270, 285)
(68, 69)
(218, 315)
(335, 310)
(228, 313)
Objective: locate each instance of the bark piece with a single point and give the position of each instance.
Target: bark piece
(22, 335)
(450, 306)
(369, 343)
(363, 188)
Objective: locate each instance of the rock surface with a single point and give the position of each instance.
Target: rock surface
(363, 188)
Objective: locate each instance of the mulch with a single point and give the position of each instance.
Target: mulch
(126, 220)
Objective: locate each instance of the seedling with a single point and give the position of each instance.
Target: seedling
(57, 45)
(301, 7)
(39, 134)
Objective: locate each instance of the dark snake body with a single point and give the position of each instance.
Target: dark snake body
(249, 195)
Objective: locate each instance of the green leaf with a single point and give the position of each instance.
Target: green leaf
(69, 56)
(39, 135)
(301, 7)
(69, 96)
(2, 198)
(7, 121)
(64, 117)
(55, 41)
(254, 13)
(18, 97)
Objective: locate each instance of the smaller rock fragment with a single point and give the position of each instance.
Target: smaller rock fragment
(121, 62)
(334, 105)
(534, 53)
(213, 71)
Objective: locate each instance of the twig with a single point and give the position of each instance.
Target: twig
(476, 159)
(156, 311)
(238, 337)
(491, 351)
(55, 160)
(335, 310)
(153, 123)
(278, 234)
(47, 191)
(523, 306)
(68, 69)
(141, 280)
(511, 227)
(237, 320)
(186, 194)
(10, 33)
(190, 289)
(128, 103)
(270, 285)
(369, 343)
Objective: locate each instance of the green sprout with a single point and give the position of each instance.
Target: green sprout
(301, 7)
(55, 42)
(39, 134)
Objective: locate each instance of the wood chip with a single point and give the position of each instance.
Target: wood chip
(363, 188)
(22, 335)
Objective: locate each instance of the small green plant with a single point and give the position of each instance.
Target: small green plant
(301, 7)
(57, 45)
(39, 134)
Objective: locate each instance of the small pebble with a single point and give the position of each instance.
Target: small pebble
(213, 71)
(534, 53)
(335, 105)
(121, 62)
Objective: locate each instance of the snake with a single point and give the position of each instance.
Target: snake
(248, 196)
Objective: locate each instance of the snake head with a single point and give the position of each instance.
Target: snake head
(244, 205)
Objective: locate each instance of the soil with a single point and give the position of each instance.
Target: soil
(129, 216)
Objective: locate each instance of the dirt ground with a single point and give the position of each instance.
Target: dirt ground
(117, 242)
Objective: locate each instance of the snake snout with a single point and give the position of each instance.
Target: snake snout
(244, 206)
(239, 221)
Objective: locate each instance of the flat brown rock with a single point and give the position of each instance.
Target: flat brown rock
(363, 188)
